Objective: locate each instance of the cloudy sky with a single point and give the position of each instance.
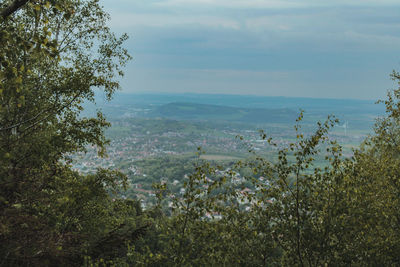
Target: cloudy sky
(306, 48)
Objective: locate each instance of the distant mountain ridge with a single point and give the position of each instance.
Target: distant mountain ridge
(194, 111)
(310, 105)
(240, 108)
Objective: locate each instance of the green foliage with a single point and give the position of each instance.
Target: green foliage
(52, 55)
(376, 189)
(345, 213)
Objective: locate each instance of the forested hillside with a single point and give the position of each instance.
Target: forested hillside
(285, 211)
(223, 113)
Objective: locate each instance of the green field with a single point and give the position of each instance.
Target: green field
(219, 157)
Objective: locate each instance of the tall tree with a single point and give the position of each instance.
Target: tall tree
(53, 55)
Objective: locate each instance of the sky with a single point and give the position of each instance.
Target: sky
(297, 48)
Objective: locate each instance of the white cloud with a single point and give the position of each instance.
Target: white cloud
(267, 23)
(274, 3)
(232, 3)
(127, 20)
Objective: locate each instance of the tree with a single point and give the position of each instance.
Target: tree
(375, 184)
(343, 213)
(53, 54)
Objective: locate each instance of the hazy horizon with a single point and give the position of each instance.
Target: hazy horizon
(244, 94)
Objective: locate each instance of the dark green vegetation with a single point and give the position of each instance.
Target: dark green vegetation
(49, 64)
(287, 211)
(222, 113)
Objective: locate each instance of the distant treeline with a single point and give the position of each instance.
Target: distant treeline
(190, 111)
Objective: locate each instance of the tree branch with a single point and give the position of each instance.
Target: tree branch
(12, 8)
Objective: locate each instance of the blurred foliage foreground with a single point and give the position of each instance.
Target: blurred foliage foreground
(52, 54)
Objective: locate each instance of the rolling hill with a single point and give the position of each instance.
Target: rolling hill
(192, 111)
